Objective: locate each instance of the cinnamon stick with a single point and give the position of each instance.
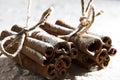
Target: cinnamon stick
(63, 24)
(44, 48)
(47, 71)
(4, 34)
(60, 45)
(55, 29)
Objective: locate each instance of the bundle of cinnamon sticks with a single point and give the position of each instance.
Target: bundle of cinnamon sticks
(45, 53)
(51, 49)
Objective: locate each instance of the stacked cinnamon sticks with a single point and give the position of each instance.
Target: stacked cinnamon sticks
(47, 53)
(51, 49)
(92, 49)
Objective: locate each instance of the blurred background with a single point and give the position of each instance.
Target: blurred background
(15, 12)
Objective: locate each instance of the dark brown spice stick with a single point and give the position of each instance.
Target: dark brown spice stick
(112, 51)
(44, 48)
(102, 58)
(61, 23)
(47, 71)
(107, 41)
(55, 29)
(60, 45)
(63, 59)
(4, 34)
(31, 53)
(16, 28)
(84, 60)
(62, 72)
(88, 44)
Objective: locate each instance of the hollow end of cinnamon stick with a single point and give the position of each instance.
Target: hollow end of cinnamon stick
(89, 45)
(62, 72)
(67, 60)
(51, 71)
(95, 46)
(59, 64)
(49, 52)
(62, 48)
(107, 42)
(112, 51)
(103, 59)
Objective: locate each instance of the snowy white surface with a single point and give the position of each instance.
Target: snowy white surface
(15, 11)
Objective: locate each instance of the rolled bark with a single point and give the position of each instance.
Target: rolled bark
(62, 72)
(88, 44)
(31, 53)
(106, 40)
(60, 46)
(4, 34)
(44, 48)
(61, 23)
(59, 64)
(10, 49)
(112, 51)
(55, 29)
(16, 28)
(84, 60)
(99, 61)
(102, 58)
(34, 55)
(62, 61)
(47, 71)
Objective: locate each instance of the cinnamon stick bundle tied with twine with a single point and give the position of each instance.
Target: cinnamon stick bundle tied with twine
(51, 50)
(35, 56)
(106, 40)
(44, 48)
(60, 45)
(31, 53)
